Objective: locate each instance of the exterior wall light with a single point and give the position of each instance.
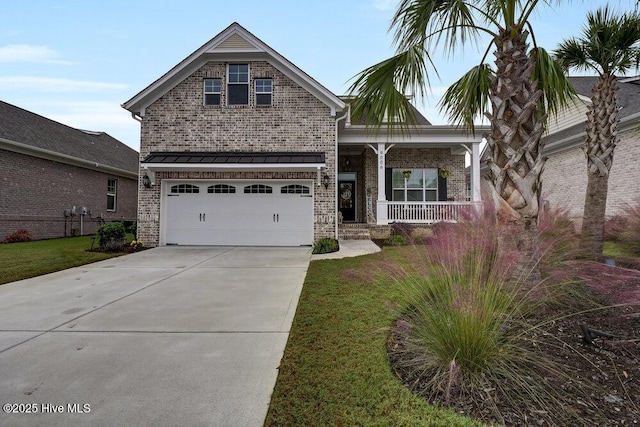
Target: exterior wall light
(325, 181)
(146, 181)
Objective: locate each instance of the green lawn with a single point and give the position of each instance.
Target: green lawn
(335, 371)
(29, 259)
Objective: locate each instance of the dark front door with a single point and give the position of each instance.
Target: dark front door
(347, 200)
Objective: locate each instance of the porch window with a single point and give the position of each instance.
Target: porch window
(421, 185)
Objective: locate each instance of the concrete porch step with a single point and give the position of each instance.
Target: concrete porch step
(353, 232)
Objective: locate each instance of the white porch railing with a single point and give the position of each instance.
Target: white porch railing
(429, 212)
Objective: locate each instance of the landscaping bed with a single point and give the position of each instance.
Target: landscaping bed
(600, 379)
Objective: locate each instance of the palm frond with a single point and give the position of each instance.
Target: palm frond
(431, 21)
(556, 89)
(379, 91)
(468, 98)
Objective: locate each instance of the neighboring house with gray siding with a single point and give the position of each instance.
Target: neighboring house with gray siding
(241, 147)
(565, 174)
(47, 169)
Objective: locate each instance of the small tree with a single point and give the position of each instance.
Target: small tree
(609, 45)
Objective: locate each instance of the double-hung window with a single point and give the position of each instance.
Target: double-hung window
(238, 84)
(112, 185)
(415, 185)
(264, 91)
(212, 91)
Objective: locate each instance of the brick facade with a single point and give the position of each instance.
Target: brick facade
(35, 193)
(565, 177)
(296, 121)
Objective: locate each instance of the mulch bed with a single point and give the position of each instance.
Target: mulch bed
(609, 364)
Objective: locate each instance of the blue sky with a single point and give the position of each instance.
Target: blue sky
(77, 61)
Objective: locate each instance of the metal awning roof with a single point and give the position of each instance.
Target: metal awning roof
(236, 161)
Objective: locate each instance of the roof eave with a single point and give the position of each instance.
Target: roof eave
(42, 153)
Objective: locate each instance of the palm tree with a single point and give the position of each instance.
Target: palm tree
(521, 87)
(609, 45)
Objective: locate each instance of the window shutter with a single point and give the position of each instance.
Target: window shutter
(442, 189)
(388, 183)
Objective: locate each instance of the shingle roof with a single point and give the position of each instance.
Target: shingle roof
(235, 158)
(628, 92)
(25, 127)
(629, 99)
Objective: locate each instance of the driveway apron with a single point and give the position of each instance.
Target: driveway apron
(168, 336)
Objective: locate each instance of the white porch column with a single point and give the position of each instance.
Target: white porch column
(475, 172)
(381, 205)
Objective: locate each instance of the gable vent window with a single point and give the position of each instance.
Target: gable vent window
(294, 189)
(185, 188)
(258, 189)
(221, 189)
(112, 185)
(212, 91)
(238, 84)
(264, 91)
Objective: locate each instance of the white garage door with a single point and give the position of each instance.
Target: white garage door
(260, 213)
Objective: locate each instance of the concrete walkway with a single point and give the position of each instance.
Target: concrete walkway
(168, 336)
(350, 248)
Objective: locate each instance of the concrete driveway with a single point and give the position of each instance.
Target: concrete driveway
(168, 336)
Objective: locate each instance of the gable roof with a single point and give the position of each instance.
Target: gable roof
(234, 43)
(29, 133)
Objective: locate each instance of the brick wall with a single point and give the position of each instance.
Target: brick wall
(178, 121)
(35, 192)
(565, 178)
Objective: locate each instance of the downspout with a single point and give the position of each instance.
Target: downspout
(335, 194)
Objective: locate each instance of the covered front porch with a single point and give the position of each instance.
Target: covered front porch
(419, 178)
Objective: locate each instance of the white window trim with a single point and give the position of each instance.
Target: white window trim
(248, 84)
(113, 194)
(256, 92)
(424, 189)
(205, 93)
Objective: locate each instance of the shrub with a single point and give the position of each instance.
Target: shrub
(558, 237)
(20, 235)
(630, 236)
(395, 240)
(111, 236)
(325, 246)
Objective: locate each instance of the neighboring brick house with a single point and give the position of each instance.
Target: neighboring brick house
(565, 175)
(47, 169)
(241, 147)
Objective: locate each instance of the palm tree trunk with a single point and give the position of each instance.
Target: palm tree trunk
(516, 160)
(602, 137)
(595, 205)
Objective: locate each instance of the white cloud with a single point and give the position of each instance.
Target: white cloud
(29, 53)
(49, 84)
(384, 4)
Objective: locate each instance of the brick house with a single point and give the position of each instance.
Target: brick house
(241, 147)
(47, 169)
(565, 174)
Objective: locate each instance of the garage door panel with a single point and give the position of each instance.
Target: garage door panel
(251, 219)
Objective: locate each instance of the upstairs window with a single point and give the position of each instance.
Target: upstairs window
(264, 90)
(112, 186)
(212, 91)
(238, 84)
